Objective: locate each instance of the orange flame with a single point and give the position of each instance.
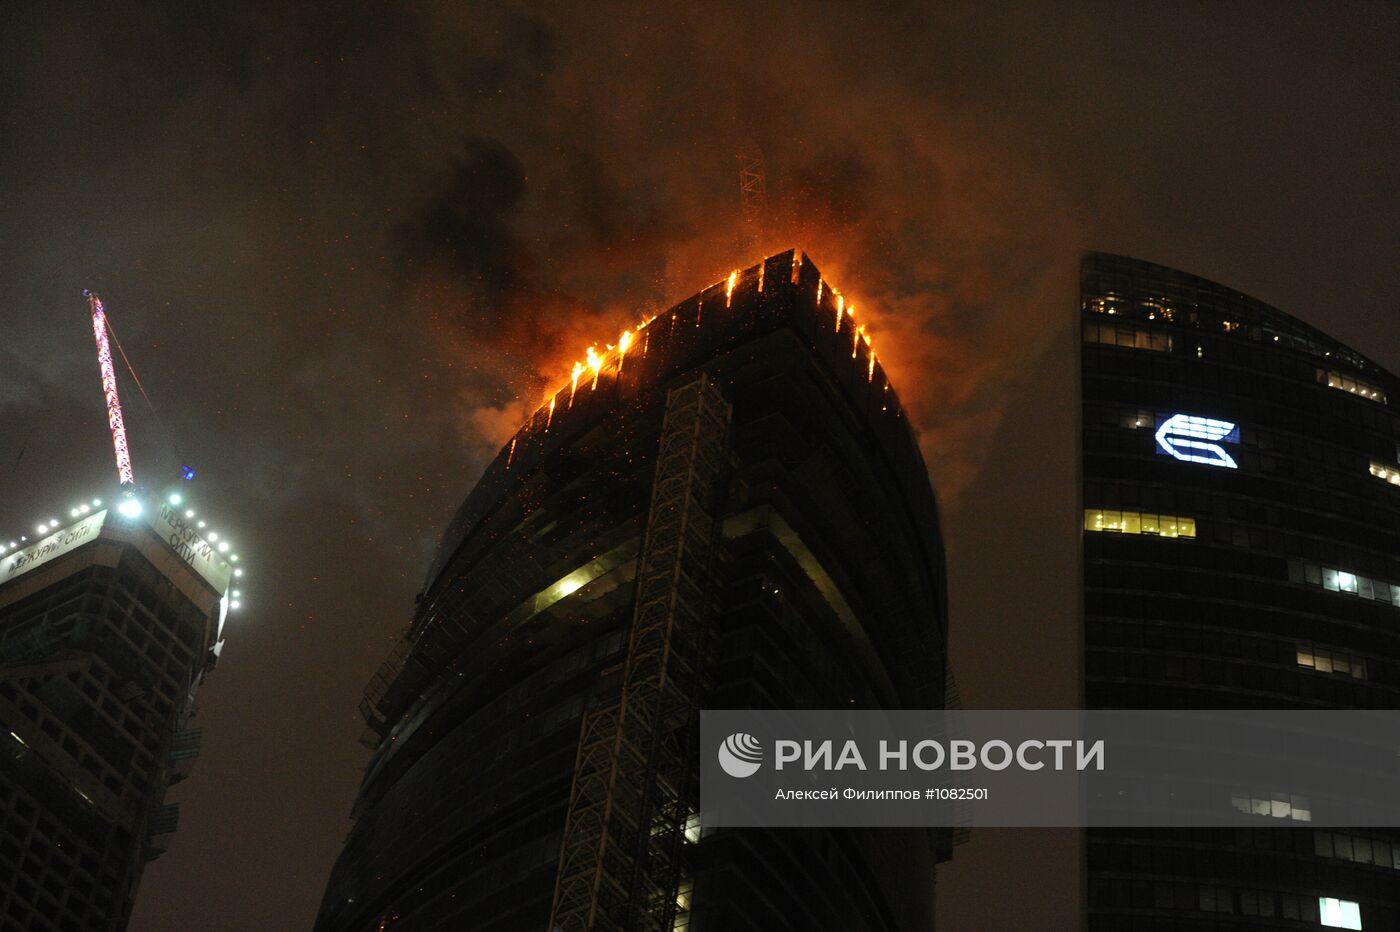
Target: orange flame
(821, 284)
(573, 383)
(840, 306)
(595, 362)
(729, 286)
(550, 418)
(623, 342)
(761, 266)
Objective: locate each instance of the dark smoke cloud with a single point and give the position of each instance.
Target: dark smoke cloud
(349, 248)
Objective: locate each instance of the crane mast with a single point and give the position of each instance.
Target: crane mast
(109, 389)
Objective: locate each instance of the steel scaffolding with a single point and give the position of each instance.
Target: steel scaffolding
(619, 863)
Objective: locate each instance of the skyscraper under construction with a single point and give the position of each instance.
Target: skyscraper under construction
(108, 624)
(726, 509)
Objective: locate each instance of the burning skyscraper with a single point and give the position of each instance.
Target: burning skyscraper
(726, 508)
(108, 625)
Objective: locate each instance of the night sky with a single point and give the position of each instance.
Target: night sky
(347, 252)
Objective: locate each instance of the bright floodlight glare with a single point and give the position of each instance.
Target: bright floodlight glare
(189, 512)
(212, 535)
(175, 498)
(223, 546)
(234, 604)
(200, 524)
(72, 512)
(236, 593)
(84, 508)
(235, 572)
(234, 559)
(42, 528)
(130, 508)
(97, 503)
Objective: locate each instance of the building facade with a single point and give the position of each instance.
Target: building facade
(107, 627)
(1241, 493)
(727, 509)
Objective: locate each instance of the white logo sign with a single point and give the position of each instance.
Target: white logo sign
(740, 755)
(1193, 439)
(60, 542)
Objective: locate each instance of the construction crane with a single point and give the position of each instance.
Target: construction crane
(109, 389)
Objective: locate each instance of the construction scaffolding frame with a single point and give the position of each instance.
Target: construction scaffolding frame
(620, 859)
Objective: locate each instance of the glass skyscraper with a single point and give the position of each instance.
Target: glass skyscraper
(726, 508)
(1241, 494)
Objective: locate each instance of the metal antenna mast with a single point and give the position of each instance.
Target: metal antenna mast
(109, 389)
(753, 183)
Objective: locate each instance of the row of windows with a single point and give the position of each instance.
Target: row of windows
(1335, 580)
(1275, 805)
(1339, 380)
(1331, 661)
(1357, 850)
(1388, 473)
(1209, 308)
(1126, 335)
(1138, 522)
(1330, 912)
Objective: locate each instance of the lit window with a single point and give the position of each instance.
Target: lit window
(1342, 581)
(1273, 805)
(1339, 914)
(1357, 849)
(1331, 661)
(1136, 522)
(1346, 383)
(1137, 419)
(1388, 473)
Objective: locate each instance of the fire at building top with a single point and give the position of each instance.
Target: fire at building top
(785, 290)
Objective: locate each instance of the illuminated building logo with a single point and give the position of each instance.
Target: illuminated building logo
(1195, 439)
(740, 755)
